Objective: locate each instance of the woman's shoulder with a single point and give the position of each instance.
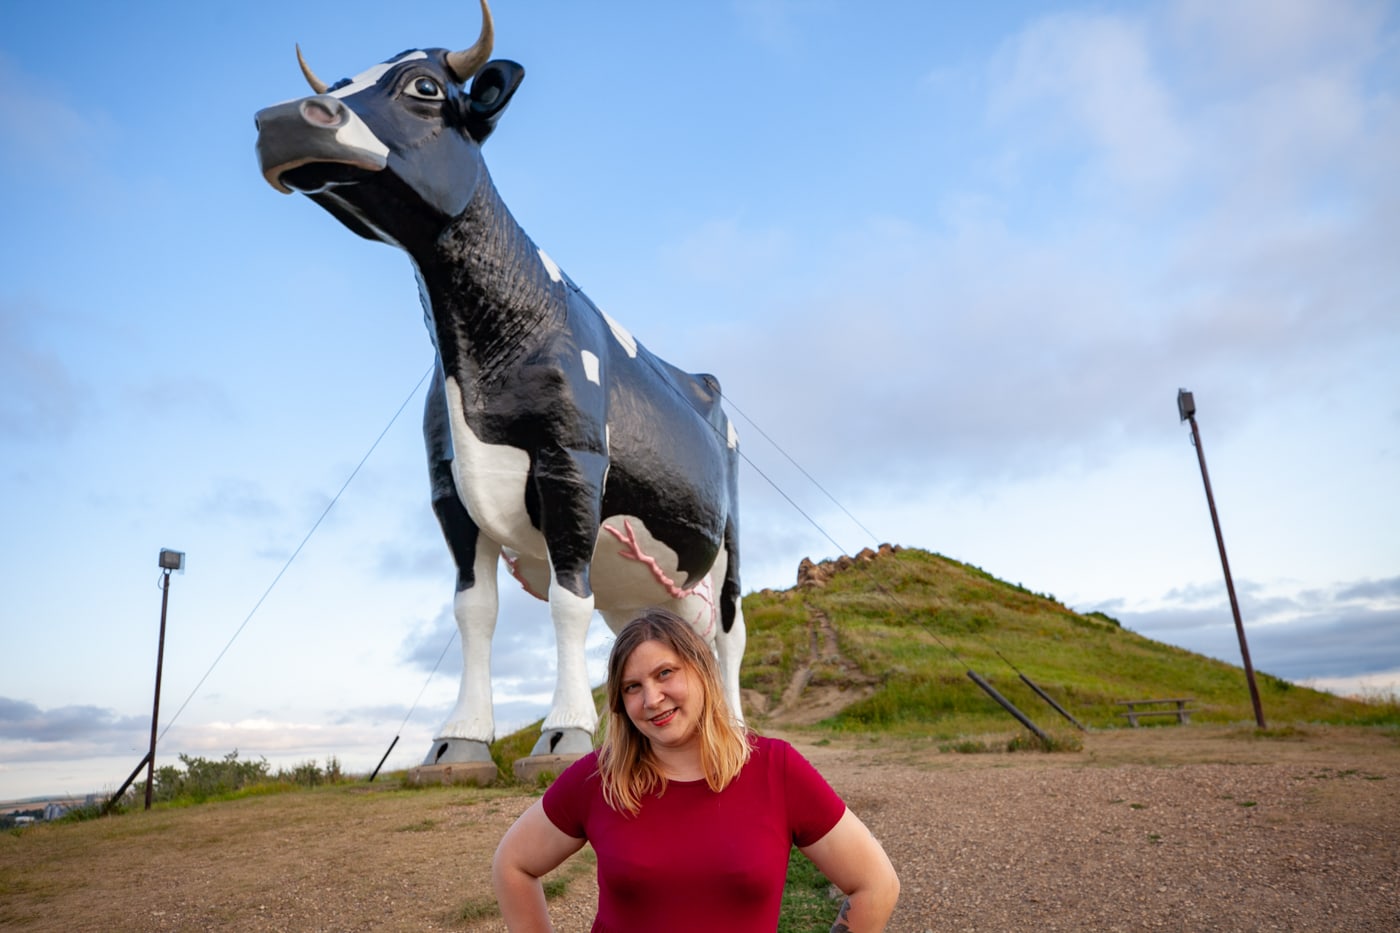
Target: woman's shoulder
(766, 749)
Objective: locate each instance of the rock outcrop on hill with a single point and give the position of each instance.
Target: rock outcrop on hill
(817, 576)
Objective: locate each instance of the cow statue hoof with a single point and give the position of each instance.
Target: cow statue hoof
(555, 751)
(456, 761)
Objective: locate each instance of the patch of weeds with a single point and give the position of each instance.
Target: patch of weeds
(479, 910)
(1138, 806)
(1154, 838)
(1057, 743)
(555, 887)
(1373, 777)
(1024, 743)
(822, 742)
(1249, 803)
(1117, 800)
(422, 826)
(966, 747)
(1281, 732)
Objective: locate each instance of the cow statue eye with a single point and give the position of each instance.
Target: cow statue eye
(426, 89)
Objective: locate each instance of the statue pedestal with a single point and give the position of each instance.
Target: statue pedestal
(480, 773)
(528, 770)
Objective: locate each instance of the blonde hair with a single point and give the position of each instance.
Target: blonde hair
(626, 762)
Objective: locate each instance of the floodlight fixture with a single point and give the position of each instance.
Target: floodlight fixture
(1185, 404)
(171, 560)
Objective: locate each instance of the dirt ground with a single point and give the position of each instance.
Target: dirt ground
(1189, 828)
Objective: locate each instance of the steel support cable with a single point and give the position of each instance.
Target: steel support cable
(884, 591)
(288, 563)
(811, 479)
(729, 402)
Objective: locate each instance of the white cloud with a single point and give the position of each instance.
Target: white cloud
(1095, 75)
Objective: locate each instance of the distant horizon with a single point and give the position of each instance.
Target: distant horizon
(1368, 688)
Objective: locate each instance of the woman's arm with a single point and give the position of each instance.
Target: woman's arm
(530, 849)
(854, 861)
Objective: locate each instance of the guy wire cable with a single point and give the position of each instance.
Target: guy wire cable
(288, 563)
(977, 678)
(782, 492)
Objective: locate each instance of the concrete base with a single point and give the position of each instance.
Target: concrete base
(480, 773)
(528, 770)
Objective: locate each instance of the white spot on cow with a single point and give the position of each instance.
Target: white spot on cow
(368, 79)
(356, 135)
(491, 480)
(629, 343)
(590, 367)
(551, 267)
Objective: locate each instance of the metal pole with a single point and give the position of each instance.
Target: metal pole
(1051, 700)
(382, 760)
(1189, 413)
(155, 709)
(112, 801)
(1007, 705)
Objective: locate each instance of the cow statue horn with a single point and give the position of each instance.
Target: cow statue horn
(465, 64)
(316, 83)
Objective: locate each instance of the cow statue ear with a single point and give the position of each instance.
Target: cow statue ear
(491, 91)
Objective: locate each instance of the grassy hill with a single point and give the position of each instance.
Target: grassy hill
(892, 635)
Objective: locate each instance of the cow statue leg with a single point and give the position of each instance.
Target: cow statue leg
(570, 486)
(729, 647)
(465, 737)
(463, 741)
(568, 729)
(731, 637)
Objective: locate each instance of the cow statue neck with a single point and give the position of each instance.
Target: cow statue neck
(604, 477)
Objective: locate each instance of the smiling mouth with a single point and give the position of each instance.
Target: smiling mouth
(664, 718)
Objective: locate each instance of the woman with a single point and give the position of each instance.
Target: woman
(691, 816)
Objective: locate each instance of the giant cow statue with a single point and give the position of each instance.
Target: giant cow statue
(604, 476)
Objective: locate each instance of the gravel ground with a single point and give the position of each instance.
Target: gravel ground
(1224, 833)
(1194, 828)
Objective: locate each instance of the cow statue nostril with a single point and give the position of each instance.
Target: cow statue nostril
(323, 111)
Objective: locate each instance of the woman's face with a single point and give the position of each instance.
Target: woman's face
(661, 695)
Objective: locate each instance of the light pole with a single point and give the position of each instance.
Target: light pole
(1186, 407)
(169, 561)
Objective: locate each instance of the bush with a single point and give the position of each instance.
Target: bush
(203, 779)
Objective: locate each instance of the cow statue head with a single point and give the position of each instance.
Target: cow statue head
(359, 147)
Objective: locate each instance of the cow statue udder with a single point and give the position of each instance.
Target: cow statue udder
(605, 477)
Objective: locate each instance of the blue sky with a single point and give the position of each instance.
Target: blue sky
(955, 259)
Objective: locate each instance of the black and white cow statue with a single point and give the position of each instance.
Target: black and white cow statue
(605, 477)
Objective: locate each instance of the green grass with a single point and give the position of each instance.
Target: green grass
(807, 901)
(916, 622)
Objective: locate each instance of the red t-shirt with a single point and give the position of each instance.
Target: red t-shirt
(691, 859)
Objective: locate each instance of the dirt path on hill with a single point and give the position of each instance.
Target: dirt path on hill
(1194, 828)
